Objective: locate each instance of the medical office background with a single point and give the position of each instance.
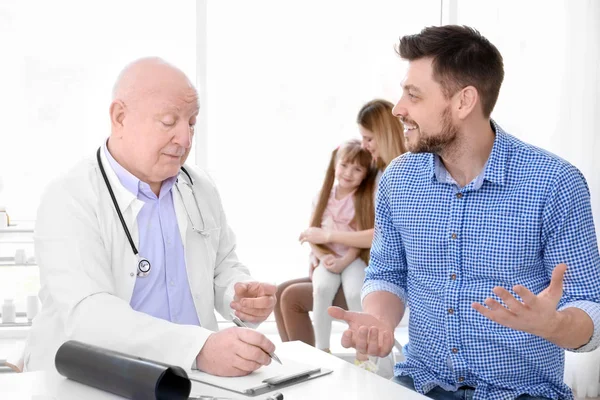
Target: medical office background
(280, 84)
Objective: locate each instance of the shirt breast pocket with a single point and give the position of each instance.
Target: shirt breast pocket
(508, 242)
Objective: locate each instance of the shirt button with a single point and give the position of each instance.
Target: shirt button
(131, 274)
(172, 283)
(459, 195)
(453, 277)
(450, 311)
(455, 350)
(454, 236)
(461, 379)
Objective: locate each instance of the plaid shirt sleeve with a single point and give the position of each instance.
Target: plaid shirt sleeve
(568, 236)
(387, 270)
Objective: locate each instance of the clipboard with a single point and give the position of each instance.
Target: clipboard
(266, 379)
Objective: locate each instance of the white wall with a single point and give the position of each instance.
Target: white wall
(285, 81)
(551, 93)
(60, 59)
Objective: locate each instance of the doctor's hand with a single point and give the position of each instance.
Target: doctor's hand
(315, 236)
(366, 333)
(253, 301)
(234, 352)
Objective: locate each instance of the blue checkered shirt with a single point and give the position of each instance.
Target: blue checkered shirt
(440, 248)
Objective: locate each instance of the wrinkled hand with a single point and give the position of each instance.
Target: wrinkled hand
(535, 314)
(315, 236)
(253, 301)
(366, 333)
(234, 352)
(333, 264)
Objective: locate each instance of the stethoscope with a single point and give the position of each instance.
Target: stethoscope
(144, 265)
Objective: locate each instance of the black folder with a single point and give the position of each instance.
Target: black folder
(121, 374)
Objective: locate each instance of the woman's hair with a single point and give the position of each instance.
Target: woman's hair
(376, 116)
(364, 204)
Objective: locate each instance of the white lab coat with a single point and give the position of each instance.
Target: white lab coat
(88, 270)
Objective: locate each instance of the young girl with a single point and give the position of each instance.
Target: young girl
(346, 206)
(383, 136)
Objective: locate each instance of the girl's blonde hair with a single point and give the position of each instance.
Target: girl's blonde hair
(376, 116)
(364, 204)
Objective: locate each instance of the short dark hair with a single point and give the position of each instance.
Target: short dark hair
(461, 57)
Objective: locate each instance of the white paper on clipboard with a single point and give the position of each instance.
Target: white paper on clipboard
(254, 383)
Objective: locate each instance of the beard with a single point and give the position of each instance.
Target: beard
(435, 143)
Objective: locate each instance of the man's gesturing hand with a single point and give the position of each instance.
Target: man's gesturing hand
(366, 333)
(535, 314)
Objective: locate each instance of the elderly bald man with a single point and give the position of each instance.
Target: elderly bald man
(134, 250)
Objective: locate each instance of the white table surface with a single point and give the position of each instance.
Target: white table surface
(346, 382)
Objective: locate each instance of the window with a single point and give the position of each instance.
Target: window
(61, 62)
(57, 85)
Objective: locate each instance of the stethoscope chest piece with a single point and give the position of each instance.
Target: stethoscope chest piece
(143, 268)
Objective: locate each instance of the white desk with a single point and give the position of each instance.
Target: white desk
(346, 382)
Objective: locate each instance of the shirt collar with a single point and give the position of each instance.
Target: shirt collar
(132, 183)
(493, 171)
(127, 179)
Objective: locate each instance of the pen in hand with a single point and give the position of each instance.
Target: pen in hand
(241, 324)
